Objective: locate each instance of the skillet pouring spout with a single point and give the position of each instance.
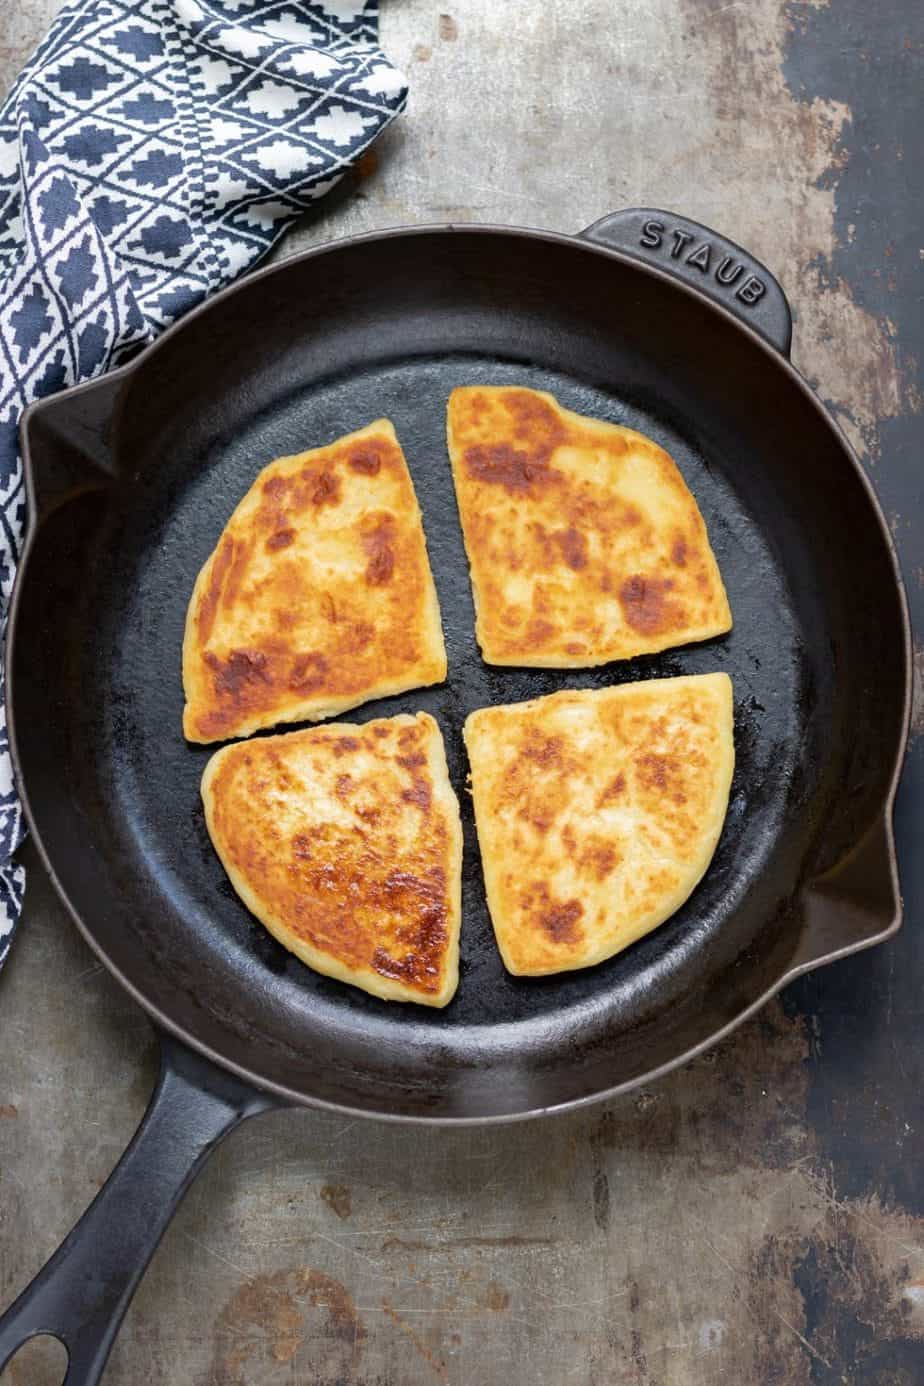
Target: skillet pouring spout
(66, 444)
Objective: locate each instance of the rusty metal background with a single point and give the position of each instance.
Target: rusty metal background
(759, 1216)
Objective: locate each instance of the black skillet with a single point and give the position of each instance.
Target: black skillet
(647, 319)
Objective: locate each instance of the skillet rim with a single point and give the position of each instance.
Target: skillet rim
(778, 359)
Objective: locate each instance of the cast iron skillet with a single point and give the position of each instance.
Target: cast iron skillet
(647, 319)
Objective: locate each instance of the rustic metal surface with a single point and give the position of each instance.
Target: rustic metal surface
(759, 1216)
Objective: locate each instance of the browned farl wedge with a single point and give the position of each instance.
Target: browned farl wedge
(584, 542)
(598, 811)
(345, 842)
(318, 596)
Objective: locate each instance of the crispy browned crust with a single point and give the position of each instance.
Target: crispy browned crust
(598, 810)
(345, 842)
(318, 595)
(584, 541)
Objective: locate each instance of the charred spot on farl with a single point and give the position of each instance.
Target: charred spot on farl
(326, 489)
(560, 922)
(365, 459)
(241, 668)
(512, 468)
(209, 604)
(378, 543)
(308, 673)
(275, 487)
(421, 901)
(614, 790)
(535, 421)
(645, 603)
(573, 547)
(280, 539)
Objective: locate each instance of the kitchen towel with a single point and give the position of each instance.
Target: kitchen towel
(151, 151)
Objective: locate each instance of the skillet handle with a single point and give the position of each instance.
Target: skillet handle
(702, 258)
(83, 1291)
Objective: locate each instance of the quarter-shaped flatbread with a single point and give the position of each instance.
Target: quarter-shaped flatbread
(345, 842)
(318, 597)
(598, 811)
(584, 542)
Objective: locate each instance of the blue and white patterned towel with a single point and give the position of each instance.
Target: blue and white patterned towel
(151, 151)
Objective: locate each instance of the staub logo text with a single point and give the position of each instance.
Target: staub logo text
(682, 245)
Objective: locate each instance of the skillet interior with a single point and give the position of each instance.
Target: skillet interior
(320, 346)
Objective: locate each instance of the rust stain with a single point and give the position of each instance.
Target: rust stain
(41, 1361)
(324, 1292)
(367, 164)
(448, 28)
(8, 1110)
(795, 1283)
(829, 1286)
(422, 53)
(496, 1298)
(270, 1315)
(437, 1363)
(851, 355)
(338, 1198)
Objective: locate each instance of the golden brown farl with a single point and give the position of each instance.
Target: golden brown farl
(345, 842)
(318, 595)
(584, 541)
